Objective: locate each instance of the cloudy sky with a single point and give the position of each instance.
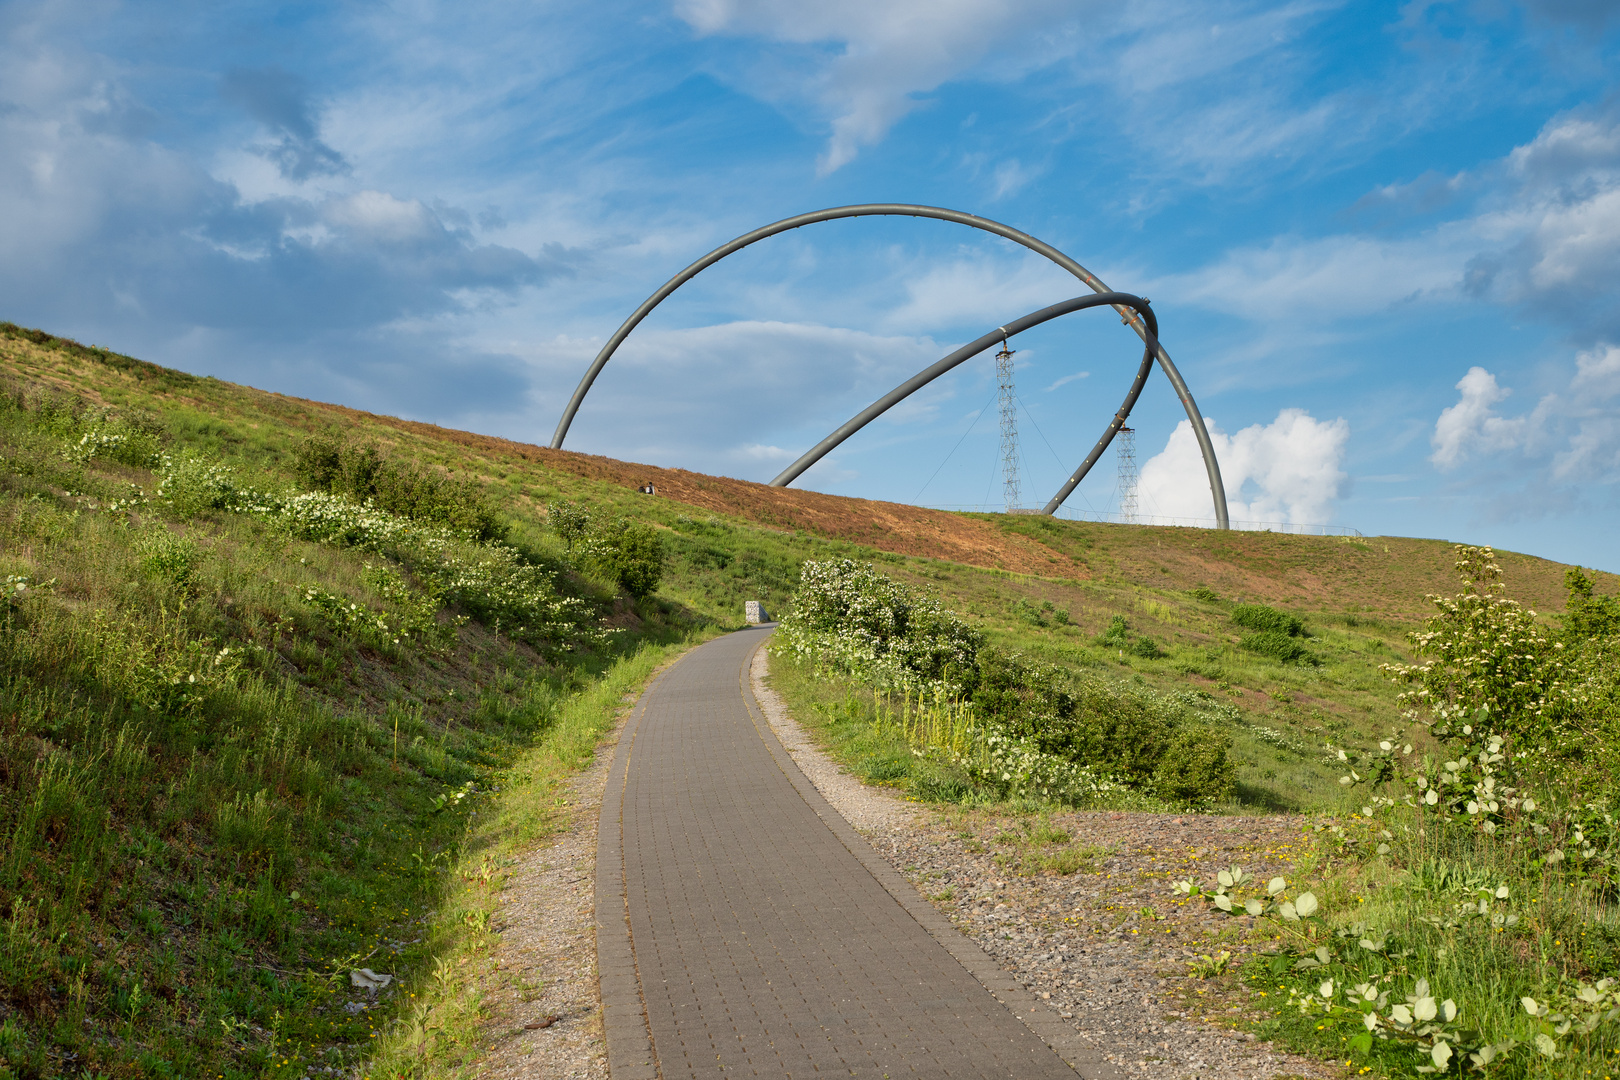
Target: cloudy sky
(1383, 240)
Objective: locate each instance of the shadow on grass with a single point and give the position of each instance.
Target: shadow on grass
(1259, 797)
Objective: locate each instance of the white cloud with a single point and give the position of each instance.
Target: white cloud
(754, 452)
(983, 290)
(670, 397)
(887, 53)
(1597, 371)
(1291, 279)
(1541, 232)
(1472, 425)
(1288, 471)
(1574, 434)
(1066, 380)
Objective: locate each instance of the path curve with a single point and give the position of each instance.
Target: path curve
(744, 928)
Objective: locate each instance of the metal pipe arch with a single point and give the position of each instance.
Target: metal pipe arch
(1153, 349)
(965, 353)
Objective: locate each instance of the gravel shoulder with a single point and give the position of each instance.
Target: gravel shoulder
(1089, 923)
(547, 950)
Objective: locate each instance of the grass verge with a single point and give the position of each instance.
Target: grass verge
(442, 1031)
(857, 727)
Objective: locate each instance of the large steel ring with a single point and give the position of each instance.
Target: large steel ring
(1132, 310)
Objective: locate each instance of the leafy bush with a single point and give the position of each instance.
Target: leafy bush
(1485, 652)
(1588, 616)
(1119, 636)
(628, 554)
(191, 485)
(168, 556)
(1194, 768)
(489, 579)
(1267, 620)
(362, 473)
(1278, 646)
(870, 625)
(116, 440)
(1503, 850)
(1015, 725)
(1204, 593)
(569, 520)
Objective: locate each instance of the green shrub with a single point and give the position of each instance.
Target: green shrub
(628, 554)
(1117, 635)
(1588, 614)
(191, 485)
(116, 440)
(1028, 699)
(1278, 646)
(1267, 620)
(361, 472)
(569, 520)
(1204, 593)
(1137, 738)
(168, 556)
(1194, 766)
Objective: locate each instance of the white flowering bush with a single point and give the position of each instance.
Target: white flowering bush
(489, 579)
(115, 441)
(1014, 727)
(1486, 842)
(1483, 651)
(856, 620)
(191, 485)
(346, 616)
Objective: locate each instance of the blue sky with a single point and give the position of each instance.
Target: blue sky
(1383, 240)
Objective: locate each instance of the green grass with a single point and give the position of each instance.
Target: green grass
(190, 868)
(1409, 900)
(441, 1029)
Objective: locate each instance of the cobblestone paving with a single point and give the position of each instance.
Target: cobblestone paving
(762, 944)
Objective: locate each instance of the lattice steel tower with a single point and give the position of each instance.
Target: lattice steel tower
(1127, 474)
(1009, 428)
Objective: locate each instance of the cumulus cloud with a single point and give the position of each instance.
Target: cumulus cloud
(111, 233)
(1572, 435)
(1289, 471)
(1473, 425)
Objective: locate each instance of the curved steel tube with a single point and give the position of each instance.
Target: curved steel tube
(966, 352)
(1211, 466)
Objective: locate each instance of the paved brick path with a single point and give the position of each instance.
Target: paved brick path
(759, 941)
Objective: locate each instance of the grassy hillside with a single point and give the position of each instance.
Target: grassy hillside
(241, 750)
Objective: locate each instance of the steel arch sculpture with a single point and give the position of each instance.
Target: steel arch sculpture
(1136, 315)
